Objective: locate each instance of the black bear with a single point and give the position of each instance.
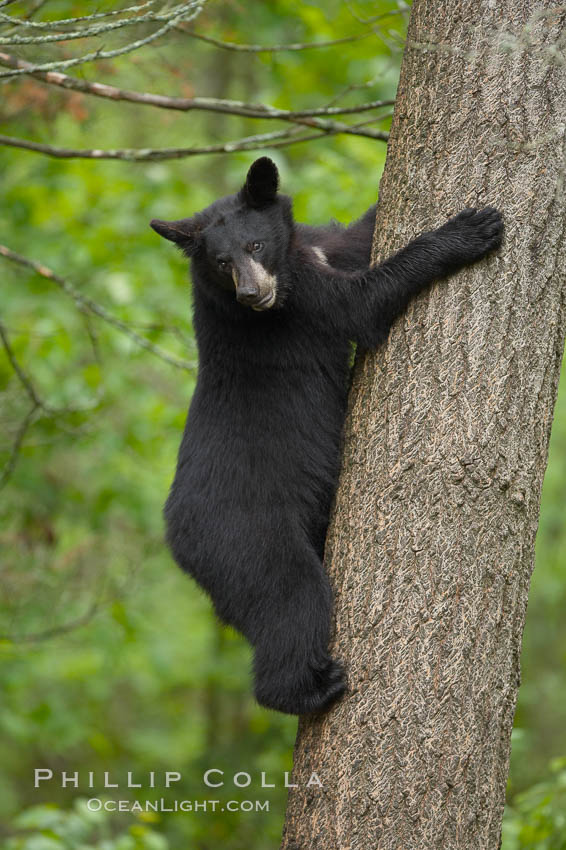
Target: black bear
(277, 305)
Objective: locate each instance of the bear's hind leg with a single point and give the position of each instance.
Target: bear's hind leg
(294, 672)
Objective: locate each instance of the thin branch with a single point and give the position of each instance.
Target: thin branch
(404, 9)
(25, 22)
(37, 8)
(23, 377)
(278, 139)
(353, 87)
(164, 327)
(184, 104)
(157, 154)
(395, 43)
(10, 465)
(37, 402)
(55, 631)
(195, 5)
(93, 338)
(274, 48)
(278, 48)
(87, 31)
(84, 303)
(376, 118)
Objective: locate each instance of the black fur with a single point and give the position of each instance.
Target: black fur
(258, 464)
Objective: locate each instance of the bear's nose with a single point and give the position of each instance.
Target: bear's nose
(247, 294)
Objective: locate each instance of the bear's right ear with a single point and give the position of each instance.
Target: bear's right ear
(184, 232)
(261, 184)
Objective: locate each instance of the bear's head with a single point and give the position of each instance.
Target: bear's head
(240, 242)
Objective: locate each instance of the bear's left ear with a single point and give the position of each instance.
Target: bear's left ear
(261, 184)
(184, 232)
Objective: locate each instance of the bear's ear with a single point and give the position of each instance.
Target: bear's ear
(184, 232)
(261, 183)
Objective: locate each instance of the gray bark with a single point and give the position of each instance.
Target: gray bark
(431, 545)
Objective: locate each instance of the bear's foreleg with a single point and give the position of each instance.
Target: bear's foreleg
(363, 305)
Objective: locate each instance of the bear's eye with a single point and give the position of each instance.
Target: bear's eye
(256, 246)
(223, 264)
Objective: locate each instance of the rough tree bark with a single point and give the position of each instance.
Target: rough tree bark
(431, 545)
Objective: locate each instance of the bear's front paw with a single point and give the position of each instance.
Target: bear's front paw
(473, 233)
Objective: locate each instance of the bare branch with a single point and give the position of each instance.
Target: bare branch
(185, 11)
(93, 338)
(352, 87)
(395, 42)
(163, 327)
(39, 4)
(84, 303)
(47, 25)
(404, 9)
(281, 138)
(55, 631)
(274, 48)
(278, 48)
(384, 117)
(23, 377)
(156, 154)
(85, 31)
(8, 470)
(37, 402)
(184, 104)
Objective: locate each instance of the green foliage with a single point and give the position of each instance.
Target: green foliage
(537, 818)
(48, 827)
(111, 658)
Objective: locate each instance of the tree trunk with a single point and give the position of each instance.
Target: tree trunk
(431, 545)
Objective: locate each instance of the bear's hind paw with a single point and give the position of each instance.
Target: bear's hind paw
(324, 688)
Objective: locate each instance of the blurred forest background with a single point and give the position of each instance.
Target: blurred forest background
(111, 658)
